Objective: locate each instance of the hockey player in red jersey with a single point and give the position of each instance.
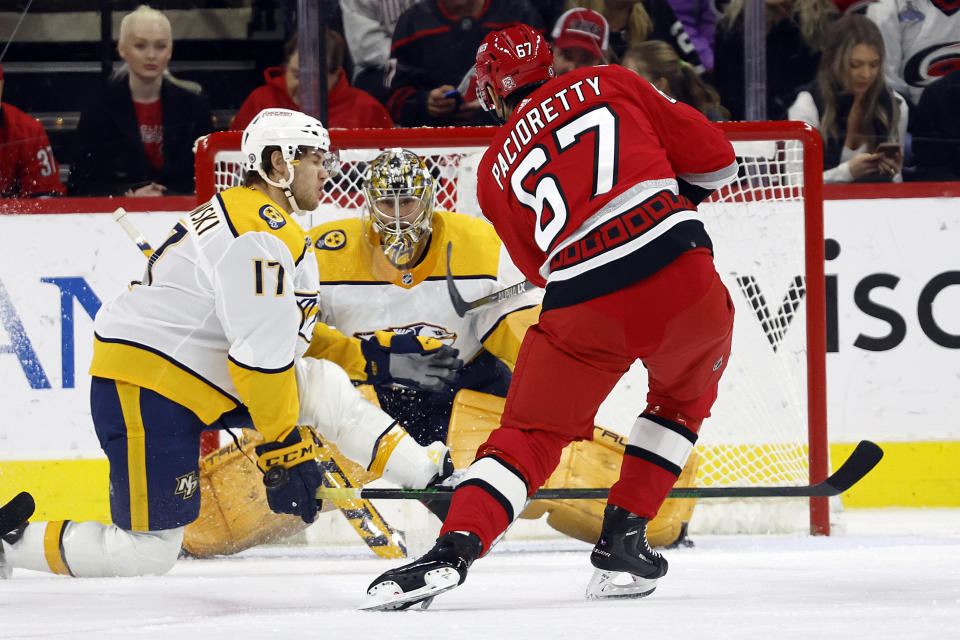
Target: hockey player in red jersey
(593, 184)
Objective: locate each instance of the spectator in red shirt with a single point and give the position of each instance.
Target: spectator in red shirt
(27, 166)
(347, 107)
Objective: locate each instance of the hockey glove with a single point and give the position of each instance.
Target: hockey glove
(414, 361)
(291, 474)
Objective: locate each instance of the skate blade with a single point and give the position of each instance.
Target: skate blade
(606, 585)
(388, 596)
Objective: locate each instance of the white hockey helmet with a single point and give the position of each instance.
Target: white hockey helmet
(290, 131)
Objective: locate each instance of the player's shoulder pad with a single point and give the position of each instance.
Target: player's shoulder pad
(340, 255)
(476, 245)
(247, 210)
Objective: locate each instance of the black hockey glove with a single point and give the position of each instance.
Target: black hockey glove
(423, 363)
(291, 474)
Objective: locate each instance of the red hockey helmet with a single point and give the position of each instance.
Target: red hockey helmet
(509, 59)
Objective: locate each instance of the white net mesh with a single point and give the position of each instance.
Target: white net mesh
(757, 434)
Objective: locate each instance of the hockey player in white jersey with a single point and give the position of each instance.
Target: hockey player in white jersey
(213, 336)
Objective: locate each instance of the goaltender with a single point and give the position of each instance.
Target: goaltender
(213, 337)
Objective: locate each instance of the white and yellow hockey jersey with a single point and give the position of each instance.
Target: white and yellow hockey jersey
(227, 303)
(361, 292)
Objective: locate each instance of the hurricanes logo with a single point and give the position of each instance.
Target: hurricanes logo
(274, 218)
(933, 62)
(187, 485)
(332, 240)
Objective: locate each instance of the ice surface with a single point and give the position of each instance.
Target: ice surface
(886, 574)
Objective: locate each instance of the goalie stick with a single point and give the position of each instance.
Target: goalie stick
(383, 539)
(16, 512)
(865, 457)
(461, 306)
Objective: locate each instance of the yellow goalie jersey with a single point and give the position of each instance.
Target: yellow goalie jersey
(227, 303)
(361, 292)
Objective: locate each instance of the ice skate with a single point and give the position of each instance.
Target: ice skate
(440, 569)
(626, 566)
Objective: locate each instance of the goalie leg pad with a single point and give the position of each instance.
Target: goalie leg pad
(94, 550)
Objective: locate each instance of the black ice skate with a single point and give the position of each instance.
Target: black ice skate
(440, 569)
(626, 566)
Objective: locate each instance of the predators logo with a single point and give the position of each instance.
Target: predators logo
(187, 485)
(332, 240)
(421, 329)
(272, 216)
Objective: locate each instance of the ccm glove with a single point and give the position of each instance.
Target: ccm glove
(291, 474)
(414, 361)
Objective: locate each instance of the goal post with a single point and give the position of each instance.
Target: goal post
(769, 425)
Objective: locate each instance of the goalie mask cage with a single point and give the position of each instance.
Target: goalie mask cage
(769, 424)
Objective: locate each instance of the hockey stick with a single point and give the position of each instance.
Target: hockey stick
(383, 540)
(865, 457)
(16, 512)
(120, 217)
(461, 306)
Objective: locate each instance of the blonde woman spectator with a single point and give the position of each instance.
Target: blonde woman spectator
(136, 137)
(657, 63)
(862, 122)
(634, 21)
(795, 30)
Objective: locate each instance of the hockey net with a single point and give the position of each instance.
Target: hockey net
(769, 423)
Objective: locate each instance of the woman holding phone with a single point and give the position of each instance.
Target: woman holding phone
(862, 121)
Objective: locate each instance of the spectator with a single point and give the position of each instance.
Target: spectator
(795, 31)
(699, 20)
(862, 122)
(920, 37)
(347, 107)
(657, 63)
(27, 166)
(580, 39)
(634, 21)
(136, 137)
(936, 136)
(368, 27)
(433, 52)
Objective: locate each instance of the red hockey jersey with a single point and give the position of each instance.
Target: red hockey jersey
(27, 166)
(582, 182)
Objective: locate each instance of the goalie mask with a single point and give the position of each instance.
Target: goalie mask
(399, 213)
(293, 133)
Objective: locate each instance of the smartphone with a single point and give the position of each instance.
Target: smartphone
(889, 149)
(453, 93)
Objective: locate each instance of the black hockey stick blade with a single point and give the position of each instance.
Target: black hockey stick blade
(462, 306)
(865, 457)
(16, 512)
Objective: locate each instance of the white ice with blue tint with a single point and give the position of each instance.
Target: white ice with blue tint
(885, 574)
